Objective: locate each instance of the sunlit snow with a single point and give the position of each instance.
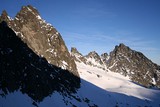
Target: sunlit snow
(98, 88)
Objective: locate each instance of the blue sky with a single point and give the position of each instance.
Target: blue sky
(100, 24)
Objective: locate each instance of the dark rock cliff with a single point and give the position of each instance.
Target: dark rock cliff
(41, 37)
(125, 61)
(22, 69)
(135, 65)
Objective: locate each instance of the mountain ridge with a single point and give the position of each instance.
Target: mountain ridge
(127, 62)
(22, 69)
(41, 37)
(35, 61)
(34, 58)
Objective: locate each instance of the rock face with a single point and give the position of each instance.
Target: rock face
(22, 69)
(135, 65)
(125, 61)
(104, 57)
(92, 59)
(41, 37)
(78, 56)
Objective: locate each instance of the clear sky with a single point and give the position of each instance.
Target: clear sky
(100, 24)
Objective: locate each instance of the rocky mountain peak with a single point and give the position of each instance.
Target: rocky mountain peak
(92, 54)
(22, 69)
(122, 45)
(75, 51)
(94, 59)
(42, 38)
(77, 55)
(121, 48)
(104, 57)
(127, 62)
(4, 16)
(28, 15)
(133, 64)
(28, 10)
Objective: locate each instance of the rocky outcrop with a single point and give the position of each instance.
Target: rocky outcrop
(92, 59)
(77, 55)
(125, 61)
(22, 69)
(135, 65)
(104, 57)
(41, 37)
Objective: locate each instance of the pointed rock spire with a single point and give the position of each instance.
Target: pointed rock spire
(94, 57)
(41, 37)
(92, 54)
(30, 8)
(104, 57)
(4, 13)
(4, 16)
(28, 13)
(75, 51)
(133, 64)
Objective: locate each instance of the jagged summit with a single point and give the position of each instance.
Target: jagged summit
(42, 38)
(4, 14)
(35, 61)
(93, 53)
(135, 65)
(21, 69)
(28, 12)
(30, 9)
(122, 45)
(104, 57)
(77, 55)
(75, 51)
(127, 62)
(121, 48)
(94, 58)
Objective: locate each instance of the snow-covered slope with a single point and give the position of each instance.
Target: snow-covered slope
(92, 58)
(98, 89)
(118, 87)
(134, 64)
(125, 61)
